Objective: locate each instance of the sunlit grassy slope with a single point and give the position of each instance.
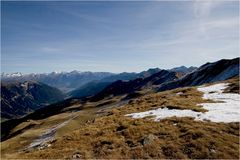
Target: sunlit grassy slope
(110, 134)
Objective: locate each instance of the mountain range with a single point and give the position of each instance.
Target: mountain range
(96, 114)
(69, 81)
(21, 95)
(65, 81)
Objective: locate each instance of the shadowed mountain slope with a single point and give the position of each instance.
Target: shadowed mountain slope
(89, 89)
(95, 87)
(128, 87)
(209, 72)
(18, 99)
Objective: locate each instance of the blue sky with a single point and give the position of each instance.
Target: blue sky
(48, 36)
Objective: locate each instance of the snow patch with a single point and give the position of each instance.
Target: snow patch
(179, 93)
(24, 85)
(47, 137)
(162, 113)
(10, 75)
(225, 110)
(228, 110)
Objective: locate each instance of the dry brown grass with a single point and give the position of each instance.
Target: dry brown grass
(233, 86)
(183, 98)
(115, 136)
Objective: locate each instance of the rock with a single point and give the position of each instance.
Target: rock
(68, 138)
(76, 155)
(212, 150)
(149, 139)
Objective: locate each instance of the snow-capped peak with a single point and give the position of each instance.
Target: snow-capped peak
(16, 74)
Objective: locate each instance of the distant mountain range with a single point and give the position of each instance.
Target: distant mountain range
(21, 95)
(69, 81)
(65, 81)
(21, 98)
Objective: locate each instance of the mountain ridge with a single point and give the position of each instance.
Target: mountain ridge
(20, 98)
(209, 72)
(94, 87)
(128, 87)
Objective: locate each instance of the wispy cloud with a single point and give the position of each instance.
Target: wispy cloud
(202, 11)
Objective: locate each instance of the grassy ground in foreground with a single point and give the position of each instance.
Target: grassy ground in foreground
(117, 136)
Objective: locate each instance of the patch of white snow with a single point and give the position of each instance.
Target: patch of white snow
(24, 85)
(47, 137)
(179, 93)
(228, 110)
(162, 113)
